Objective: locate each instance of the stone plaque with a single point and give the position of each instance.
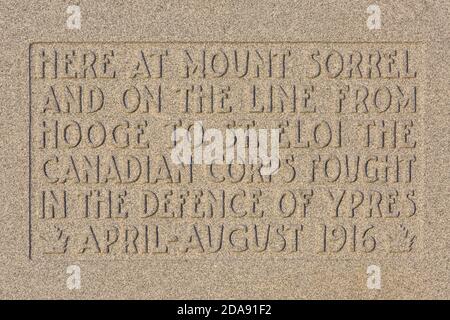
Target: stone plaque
(162, 151)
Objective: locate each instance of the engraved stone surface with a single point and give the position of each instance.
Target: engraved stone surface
(104, 183)
(245, 161)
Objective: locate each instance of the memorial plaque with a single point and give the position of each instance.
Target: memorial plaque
(226, 151)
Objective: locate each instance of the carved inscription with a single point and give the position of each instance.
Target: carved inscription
(104, 182)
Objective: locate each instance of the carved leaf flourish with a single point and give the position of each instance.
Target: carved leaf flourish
(401, 240)
(56, 241)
